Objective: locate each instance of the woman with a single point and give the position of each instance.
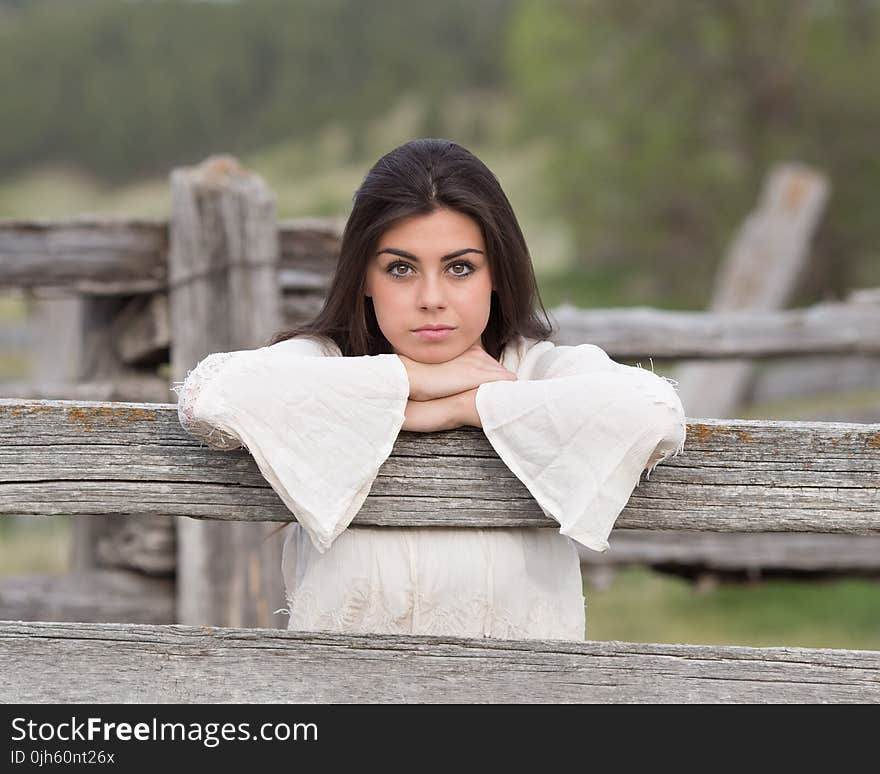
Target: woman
(432, 241)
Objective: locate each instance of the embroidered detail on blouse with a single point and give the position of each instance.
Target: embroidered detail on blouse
(188, 391)
(364, 611)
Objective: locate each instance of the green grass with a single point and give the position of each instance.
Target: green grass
(645, 606)
(14, 365)
(12, 307)
(34, 545)
(860, 400)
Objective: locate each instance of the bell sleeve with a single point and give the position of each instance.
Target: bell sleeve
(318, 425)
(578, 429)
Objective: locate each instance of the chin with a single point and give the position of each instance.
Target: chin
(432, 356)
(431, 352)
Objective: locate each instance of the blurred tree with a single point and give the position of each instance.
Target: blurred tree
(664, 118)
(125, 89)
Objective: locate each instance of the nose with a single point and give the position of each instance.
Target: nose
(431, 294)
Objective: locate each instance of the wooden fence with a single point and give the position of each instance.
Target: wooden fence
(110, 459)
(109, 313)
(206, 283)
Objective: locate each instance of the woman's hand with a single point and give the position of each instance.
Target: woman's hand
(449, 413)
(473, 367)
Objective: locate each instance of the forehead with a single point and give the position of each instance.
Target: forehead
(438, 232)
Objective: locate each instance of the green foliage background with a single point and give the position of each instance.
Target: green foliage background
(658, 120)
(132, 88)
(665, 118)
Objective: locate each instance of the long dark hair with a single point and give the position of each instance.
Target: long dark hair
(416, 179)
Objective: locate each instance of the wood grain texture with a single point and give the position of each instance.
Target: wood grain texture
(66, 457)
(132, 386)
(99, 595)
(80, 662)
(223, 295)
(826, 328)
(119, 256)
(85, 255)
(732, 551)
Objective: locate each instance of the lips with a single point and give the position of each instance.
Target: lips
(433, 328)
(434, 334)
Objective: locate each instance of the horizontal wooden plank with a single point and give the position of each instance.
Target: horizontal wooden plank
(130, 255)
(734, 552)
(86, 255)
(132, 386)
(69, 457)
(81, 662)
(123, 596)
(641, 332)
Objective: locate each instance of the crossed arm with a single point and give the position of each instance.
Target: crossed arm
(429, 409)
(449, 413)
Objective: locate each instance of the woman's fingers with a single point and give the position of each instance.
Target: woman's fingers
(473, 367)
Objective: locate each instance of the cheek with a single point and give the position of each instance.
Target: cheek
(391, 304)
(390, 296)
(480, 293)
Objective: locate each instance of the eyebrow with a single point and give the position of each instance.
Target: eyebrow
(405, 254)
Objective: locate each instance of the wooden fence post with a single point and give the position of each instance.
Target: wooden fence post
(761, 271)
(57, 355)
(224, 295)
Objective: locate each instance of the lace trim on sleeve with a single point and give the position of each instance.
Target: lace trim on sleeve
(188, 391)
(674, 445)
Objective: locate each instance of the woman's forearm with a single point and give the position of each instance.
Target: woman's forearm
(468, 408)
(428, 416)
(449, 413)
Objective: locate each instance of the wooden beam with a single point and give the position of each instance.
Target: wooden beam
(734, 552)
(141, 331)
(71, 662)
(134, 388)
(99, 595)
(120, 256)
(66, 457)
(84, 255)
(760, 272)
(836, 328)
(223, 295)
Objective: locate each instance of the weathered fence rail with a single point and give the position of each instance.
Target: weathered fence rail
(90, 458)
(110, 459)
(119, 256)
(829, 328)
(127, 256)
(58, 662)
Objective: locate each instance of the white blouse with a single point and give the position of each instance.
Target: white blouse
(577, 428)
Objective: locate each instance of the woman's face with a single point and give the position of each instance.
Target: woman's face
(412, 285)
